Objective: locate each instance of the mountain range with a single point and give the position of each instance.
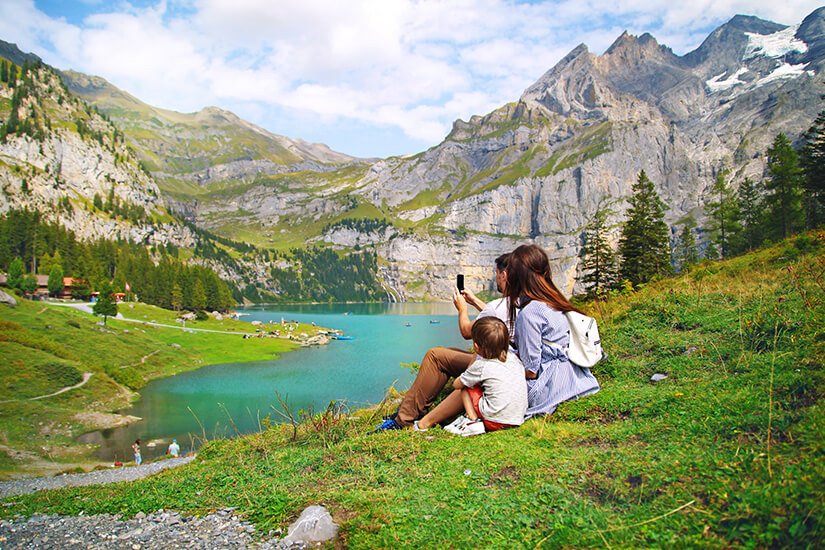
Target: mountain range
(534, 170)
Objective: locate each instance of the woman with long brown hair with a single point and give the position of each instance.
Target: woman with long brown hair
(542, 332)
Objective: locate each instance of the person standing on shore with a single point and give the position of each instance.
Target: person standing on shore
(174, 449)
(136, 449)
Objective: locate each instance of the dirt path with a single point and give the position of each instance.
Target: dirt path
(86, 376)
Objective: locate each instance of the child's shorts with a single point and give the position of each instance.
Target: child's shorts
(475, 394)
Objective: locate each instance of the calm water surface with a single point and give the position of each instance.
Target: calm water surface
(357, 372)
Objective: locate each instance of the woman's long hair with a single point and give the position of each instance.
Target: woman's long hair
(528, 279)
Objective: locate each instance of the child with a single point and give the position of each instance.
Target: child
(492, 391)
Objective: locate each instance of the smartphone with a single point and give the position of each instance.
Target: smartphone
(459, 281)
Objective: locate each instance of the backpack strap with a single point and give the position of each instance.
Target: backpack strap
(554, 345)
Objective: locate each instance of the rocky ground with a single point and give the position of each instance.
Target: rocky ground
(160, 530)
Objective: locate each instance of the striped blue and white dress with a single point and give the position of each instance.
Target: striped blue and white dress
(558, 379)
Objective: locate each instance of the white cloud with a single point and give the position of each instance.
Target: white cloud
(413, 64)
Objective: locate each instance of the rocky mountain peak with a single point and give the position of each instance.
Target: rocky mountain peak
(12, 53)
(725, 47)
(812, 32)
(632, 49)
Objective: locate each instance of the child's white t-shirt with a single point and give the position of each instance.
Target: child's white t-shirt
(504, 386)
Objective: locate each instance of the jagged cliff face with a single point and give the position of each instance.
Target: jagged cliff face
(69, 155)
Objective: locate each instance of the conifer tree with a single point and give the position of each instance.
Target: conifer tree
(16, 271)
(29, 283)
(4, 71)
(686, 252)
(752, 213)
(724, 216)
(177, 297)
(55, 282)
(784, 200)
(644, 246)
(597, 256)
(105, 304)
(198, 296)
(813, 167)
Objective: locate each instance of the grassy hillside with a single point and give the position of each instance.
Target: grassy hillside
(728, 451)
(45, 348)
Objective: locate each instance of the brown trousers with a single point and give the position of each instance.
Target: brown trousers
(438, 365)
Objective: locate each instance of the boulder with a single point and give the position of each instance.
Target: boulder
(315, 524)
(6, 298)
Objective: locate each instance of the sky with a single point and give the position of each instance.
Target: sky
(369, 78)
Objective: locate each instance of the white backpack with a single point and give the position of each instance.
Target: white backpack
(585, 346)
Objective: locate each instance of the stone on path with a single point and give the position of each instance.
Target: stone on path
(315, 524)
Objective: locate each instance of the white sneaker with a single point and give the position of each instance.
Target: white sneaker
(474, 427)
(456, 425)
(417, 429)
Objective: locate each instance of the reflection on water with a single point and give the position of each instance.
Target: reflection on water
(221, 401)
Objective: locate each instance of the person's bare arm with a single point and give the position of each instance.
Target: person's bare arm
(472, 299)
(465, 326)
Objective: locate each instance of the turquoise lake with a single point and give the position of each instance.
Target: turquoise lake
(356, 372)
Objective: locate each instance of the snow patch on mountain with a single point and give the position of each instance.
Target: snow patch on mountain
(777, 44)
(717, 84)
(785, 70)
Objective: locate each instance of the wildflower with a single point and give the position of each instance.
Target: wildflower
(678, 394)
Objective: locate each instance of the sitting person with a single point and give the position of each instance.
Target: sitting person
(492, 391)
(441, 364)
(542, 333)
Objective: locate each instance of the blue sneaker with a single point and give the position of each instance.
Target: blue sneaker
(388, 424)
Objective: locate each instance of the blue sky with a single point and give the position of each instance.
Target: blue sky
(370, 78)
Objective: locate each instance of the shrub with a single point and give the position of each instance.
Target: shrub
(65, 374)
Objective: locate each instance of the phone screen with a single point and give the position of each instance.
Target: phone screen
(459, 281)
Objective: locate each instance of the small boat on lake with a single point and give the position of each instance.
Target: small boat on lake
(407, 324)
(434, 321)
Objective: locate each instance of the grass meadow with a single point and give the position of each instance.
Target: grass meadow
(727, 451)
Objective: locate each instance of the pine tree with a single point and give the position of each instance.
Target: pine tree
(198, 296)
(644, 246)
(16, 271)
(597, 256)
(29, 284)
(4, 71)
(55, 283)
(686, 252)
(177, 298)
(784, 201)
(752, 210)
(105, 304)
(724, 216)
(813, 166)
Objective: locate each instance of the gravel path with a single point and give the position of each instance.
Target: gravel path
(161, 530)
(98, 477)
